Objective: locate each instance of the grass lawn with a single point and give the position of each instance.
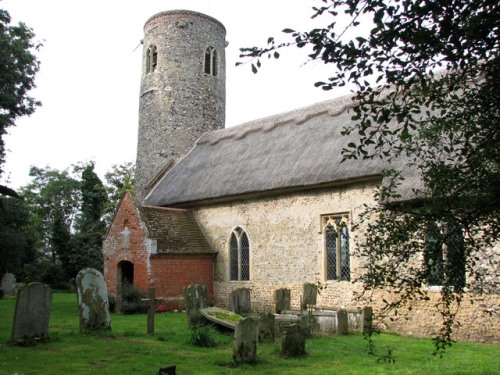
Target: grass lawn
(129, 350)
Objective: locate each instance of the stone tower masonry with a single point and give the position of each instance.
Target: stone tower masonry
(183, 89)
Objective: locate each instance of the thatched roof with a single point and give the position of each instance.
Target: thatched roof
(175, 230)
(294, 150)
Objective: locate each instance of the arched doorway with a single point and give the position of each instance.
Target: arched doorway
(126, 272)
(125, 277)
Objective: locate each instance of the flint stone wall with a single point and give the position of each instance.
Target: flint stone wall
(287, 250)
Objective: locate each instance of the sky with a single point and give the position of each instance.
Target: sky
(91, 67)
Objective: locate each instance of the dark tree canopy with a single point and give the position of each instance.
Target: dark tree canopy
(425, 77)
(18, 67)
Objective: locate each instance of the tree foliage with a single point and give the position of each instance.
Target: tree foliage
(18, 67)
(425, 77)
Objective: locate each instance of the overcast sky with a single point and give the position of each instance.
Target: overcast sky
(91, 68)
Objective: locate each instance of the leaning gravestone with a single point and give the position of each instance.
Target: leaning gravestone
(282, 298)
(93, 302)
(342, 322)
(293, 343)
(240, 301)
(366, 319)
(8, 284)
(309, 296)
(32, 315)
(245, 341)
(267, 323)
(195, 298)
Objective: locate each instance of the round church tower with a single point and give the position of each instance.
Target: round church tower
(183, 89)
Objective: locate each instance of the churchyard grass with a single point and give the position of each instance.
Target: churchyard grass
(130, 350)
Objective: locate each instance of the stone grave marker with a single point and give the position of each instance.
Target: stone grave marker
(245, 341)
(309, 296)
(93, 302)
(195, 298)
(282, 298)
(366, 319)
(152, 303)
(293, 343)
(267, 328)
(240, 301)
(8, 284)
(342, 322)
(32, 315)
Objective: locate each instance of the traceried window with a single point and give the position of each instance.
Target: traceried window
(239, 256)
(151, 59)
(211, 61)
(444, 255)
(337, 254)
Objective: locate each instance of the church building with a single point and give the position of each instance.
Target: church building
(264, 205)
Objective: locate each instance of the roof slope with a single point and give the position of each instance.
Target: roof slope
(175, 230)
(298, 149)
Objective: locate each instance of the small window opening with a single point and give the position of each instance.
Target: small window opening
(151, 59)
(239, 255)
(211, 61)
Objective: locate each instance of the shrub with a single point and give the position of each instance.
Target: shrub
(131, 300)
(203, 335)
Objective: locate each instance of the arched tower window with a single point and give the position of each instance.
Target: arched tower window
(337, 250)
(211, 61)
(239, 255)
(151, 59)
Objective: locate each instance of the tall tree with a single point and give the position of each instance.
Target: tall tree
(16, 237)
(18, 67)
(426, 82)
(90, 227)
(119, 179)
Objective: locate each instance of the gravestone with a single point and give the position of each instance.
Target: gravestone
(195, 298)
(240, 301)
(309, 296)
(342, 322)
(152, 302)
(282, 299)
(366, 319)
(8, 284)
(245, 341)
(93, 302)
(267, 324)
(32, 315)
(293, 343)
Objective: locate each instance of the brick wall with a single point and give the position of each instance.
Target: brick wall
(169, 273)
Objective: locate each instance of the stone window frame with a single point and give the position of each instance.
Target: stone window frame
(441, 244)
(239, 255)
(210, 61)
(338, 222)
(151, 59)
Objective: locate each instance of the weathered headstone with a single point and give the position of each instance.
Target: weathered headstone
(309, 296)
(245, 341)
(240, 301)
(293, 343)
(32, 315)
(152, 302)
(267, 324)
(195, 298)
(282, 299)
(366, 319)
(342, 322)
(8, 284)
(93, 302)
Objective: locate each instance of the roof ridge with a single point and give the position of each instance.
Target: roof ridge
(332, 107)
